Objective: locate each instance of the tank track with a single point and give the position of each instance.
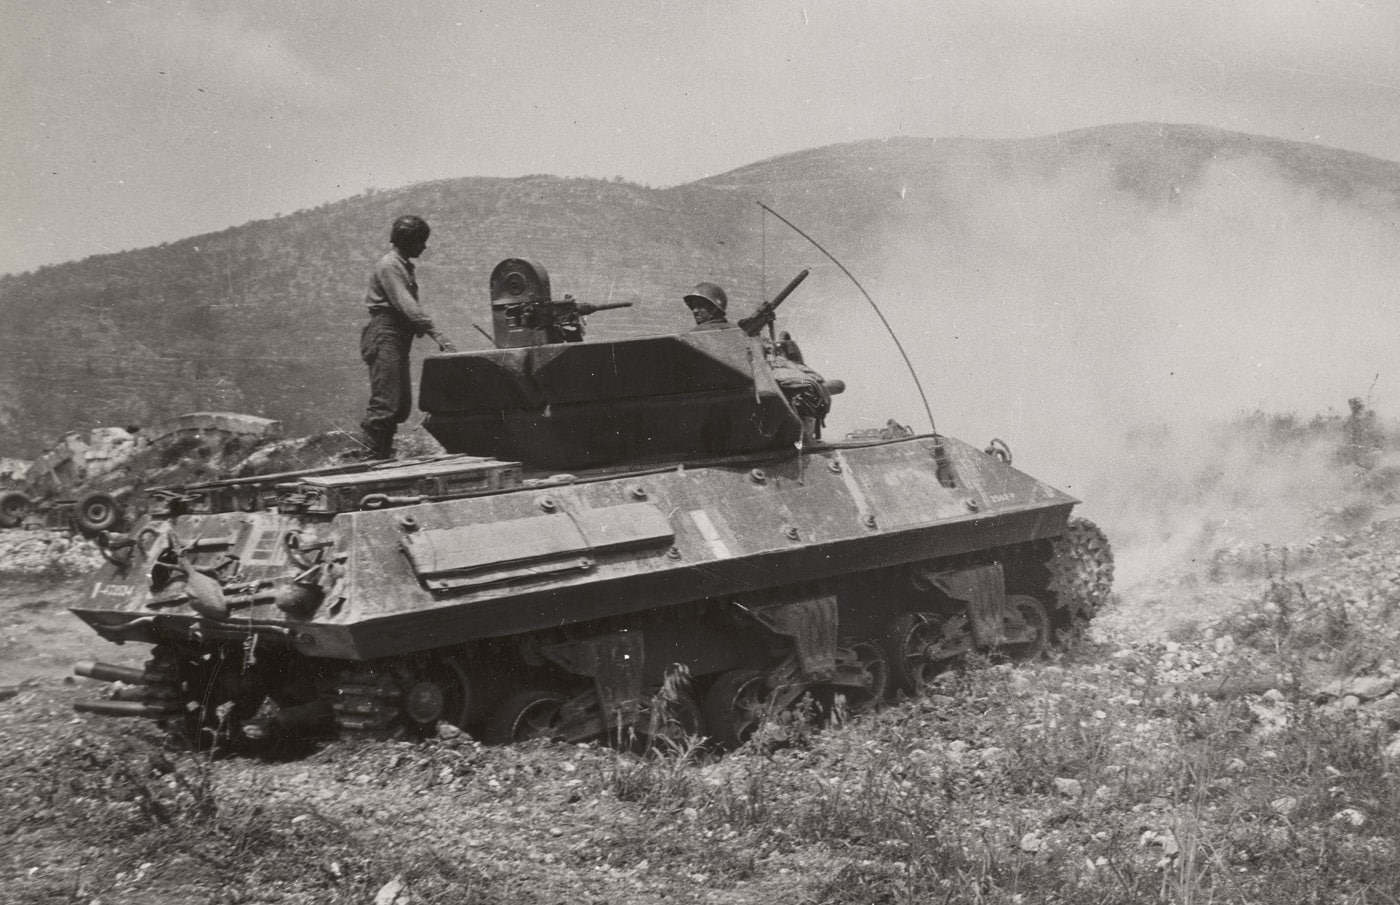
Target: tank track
(220, 699)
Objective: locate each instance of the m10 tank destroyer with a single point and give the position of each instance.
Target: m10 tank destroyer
(613, 518)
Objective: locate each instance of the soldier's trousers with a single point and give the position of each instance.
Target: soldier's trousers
(384, 346)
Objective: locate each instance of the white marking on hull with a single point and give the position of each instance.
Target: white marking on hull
(701, 518)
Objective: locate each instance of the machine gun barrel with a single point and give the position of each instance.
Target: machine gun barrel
(586, 308)
(764, 315)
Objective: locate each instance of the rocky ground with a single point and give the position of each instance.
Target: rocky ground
(1227, 734)
(1250, 759)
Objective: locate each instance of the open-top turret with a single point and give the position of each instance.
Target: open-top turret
(551, 401)
(611, 516)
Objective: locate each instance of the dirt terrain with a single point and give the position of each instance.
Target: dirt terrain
(1227, 734)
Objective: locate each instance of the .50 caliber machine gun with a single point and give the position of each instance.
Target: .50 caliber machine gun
(763, 317)
(524, 314)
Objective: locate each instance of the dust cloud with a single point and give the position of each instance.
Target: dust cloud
(1120, 343)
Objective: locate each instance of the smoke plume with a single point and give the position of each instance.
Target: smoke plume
(1119, 342)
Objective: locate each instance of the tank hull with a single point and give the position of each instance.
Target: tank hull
(737, 526)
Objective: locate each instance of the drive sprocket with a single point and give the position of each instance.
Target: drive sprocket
(1081, 578)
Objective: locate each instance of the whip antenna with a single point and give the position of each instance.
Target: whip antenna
(876, 308)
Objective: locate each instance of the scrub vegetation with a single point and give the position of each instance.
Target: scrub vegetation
(1240, 753)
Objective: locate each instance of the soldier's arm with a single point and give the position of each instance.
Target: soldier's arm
(393, 276)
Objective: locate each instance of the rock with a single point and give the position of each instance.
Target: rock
(1366, 688)
(1349, 816)
(391, 893)
(1387, 710)
(1369, 688)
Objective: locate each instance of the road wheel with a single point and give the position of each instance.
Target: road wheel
(97, 512)
(875, 663)
(522, 716)
(1029, 619)
(14, 506)
(917, 646)
(735, 706)
(441, 690)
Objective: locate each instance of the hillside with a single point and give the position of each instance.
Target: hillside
(263, 318)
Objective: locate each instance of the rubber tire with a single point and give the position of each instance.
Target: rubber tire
(518, 717)
(14, 506)
(97, 512)
(722, 703)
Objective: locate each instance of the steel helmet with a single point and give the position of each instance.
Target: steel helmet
(408, 228)
(710, 294)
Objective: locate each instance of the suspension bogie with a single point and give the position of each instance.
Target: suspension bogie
(714, 667)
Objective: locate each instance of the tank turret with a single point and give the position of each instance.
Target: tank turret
(561, 404)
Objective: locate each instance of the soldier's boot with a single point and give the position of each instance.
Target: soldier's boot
(385, 449)
(377, 443)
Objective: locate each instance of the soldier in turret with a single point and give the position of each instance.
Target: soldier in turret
(709, 304)
(395, 318)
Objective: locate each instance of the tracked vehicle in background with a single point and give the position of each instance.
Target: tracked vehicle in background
(614, 518)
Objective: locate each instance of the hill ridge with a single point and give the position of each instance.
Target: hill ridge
(264, 317)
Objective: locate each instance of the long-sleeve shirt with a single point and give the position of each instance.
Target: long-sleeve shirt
(393, 287)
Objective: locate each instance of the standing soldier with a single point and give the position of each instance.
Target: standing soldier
(395, 318)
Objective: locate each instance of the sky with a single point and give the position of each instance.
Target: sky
(131, 123)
